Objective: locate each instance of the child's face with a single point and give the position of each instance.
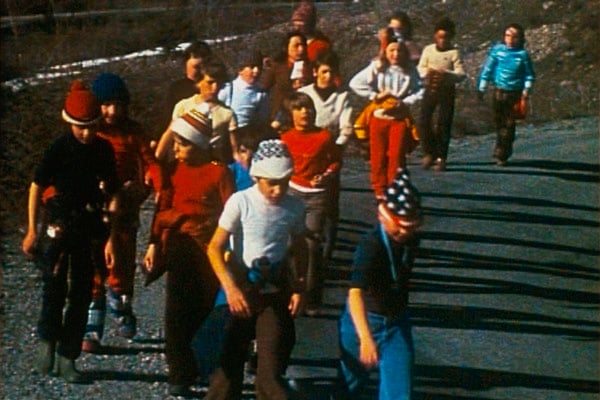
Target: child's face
(85, 134)
(250, 74)
(244, 155)
(392, 53)
(192, 68)
(273, 189)
(296, 48)
(324, 75)
(184, 150)
(442, 39)
(395, 231)
(303, 117)
(112, 111)
(512, 38)
(209, 88)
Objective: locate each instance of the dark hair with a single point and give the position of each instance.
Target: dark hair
(520, 31)
(283, 52)
(328, 58)
(447, 25)
(198, 49)
(214, 68)
(404, 62)
(249, 136)
(407, 27)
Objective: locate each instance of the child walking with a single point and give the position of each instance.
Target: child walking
(334, 113)
(264, 292)
(509, 68)
(81, 169)
(136, 167)
(440, 67)
(374, 328)
(316, 163)
(212, 77)
(189, 207)
(392, 84)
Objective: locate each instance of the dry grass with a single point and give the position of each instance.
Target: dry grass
(567, 84)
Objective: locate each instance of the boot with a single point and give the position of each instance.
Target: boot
(122, 311)
(65, 368)
(95, 327)
(45, 359)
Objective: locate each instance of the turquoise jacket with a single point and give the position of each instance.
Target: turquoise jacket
(508, 69)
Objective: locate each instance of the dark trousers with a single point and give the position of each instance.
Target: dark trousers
(191, 289)
(317, 211)
(275, 337)
(435, 136)
(67, 266)
(504, 119)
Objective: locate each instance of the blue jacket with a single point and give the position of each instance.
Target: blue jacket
(507, 68)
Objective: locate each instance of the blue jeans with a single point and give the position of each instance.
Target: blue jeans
(396, 356)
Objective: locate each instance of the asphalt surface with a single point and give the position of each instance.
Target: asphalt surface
(505, 293)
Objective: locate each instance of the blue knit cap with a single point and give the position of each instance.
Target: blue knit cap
(110, 87)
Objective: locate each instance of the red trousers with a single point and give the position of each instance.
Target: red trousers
(389, 142)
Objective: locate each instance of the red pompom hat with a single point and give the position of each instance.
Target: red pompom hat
(81, 106)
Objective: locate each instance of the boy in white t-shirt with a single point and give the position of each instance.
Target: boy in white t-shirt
(264, 293)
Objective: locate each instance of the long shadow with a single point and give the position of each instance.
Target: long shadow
(505, 241)
(508, 216)
(462, 260)
(432, 283)
(484, 379)
(557, 165)
(490, 319)
(522, 201)
(508, 170)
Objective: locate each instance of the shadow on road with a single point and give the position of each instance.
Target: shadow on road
(490, 319)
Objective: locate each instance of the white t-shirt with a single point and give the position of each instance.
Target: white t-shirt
(266, 228)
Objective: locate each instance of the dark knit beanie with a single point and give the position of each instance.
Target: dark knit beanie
(81, 106)
(305, 12)
(110, 87)
(402, 202)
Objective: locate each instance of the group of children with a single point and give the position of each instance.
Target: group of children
(246, 178)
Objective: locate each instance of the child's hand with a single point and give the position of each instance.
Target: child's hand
(296, 304)
(238, 305)
(109, 254)
(383, 95)
(150, 257)
(369, 355)
(28, 245)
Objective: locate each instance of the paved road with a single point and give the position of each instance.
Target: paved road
(505, 299)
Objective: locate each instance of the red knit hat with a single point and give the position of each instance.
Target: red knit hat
(81, 106)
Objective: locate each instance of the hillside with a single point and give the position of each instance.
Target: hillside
(561, 36)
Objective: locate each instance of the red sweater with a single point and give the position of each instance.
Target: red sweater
(194, 199)
(313, 152)
(132, 152)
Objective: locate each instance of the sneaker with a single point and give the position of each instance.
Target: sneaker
(94, 328)
(122, 312)
(45, 359)
(91, 343)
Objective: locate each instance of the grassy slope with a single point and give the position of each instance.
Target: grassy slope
(562, 37)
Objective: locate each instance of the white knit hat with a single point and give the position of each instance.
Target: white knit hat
(272, 160)
(194, 126)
